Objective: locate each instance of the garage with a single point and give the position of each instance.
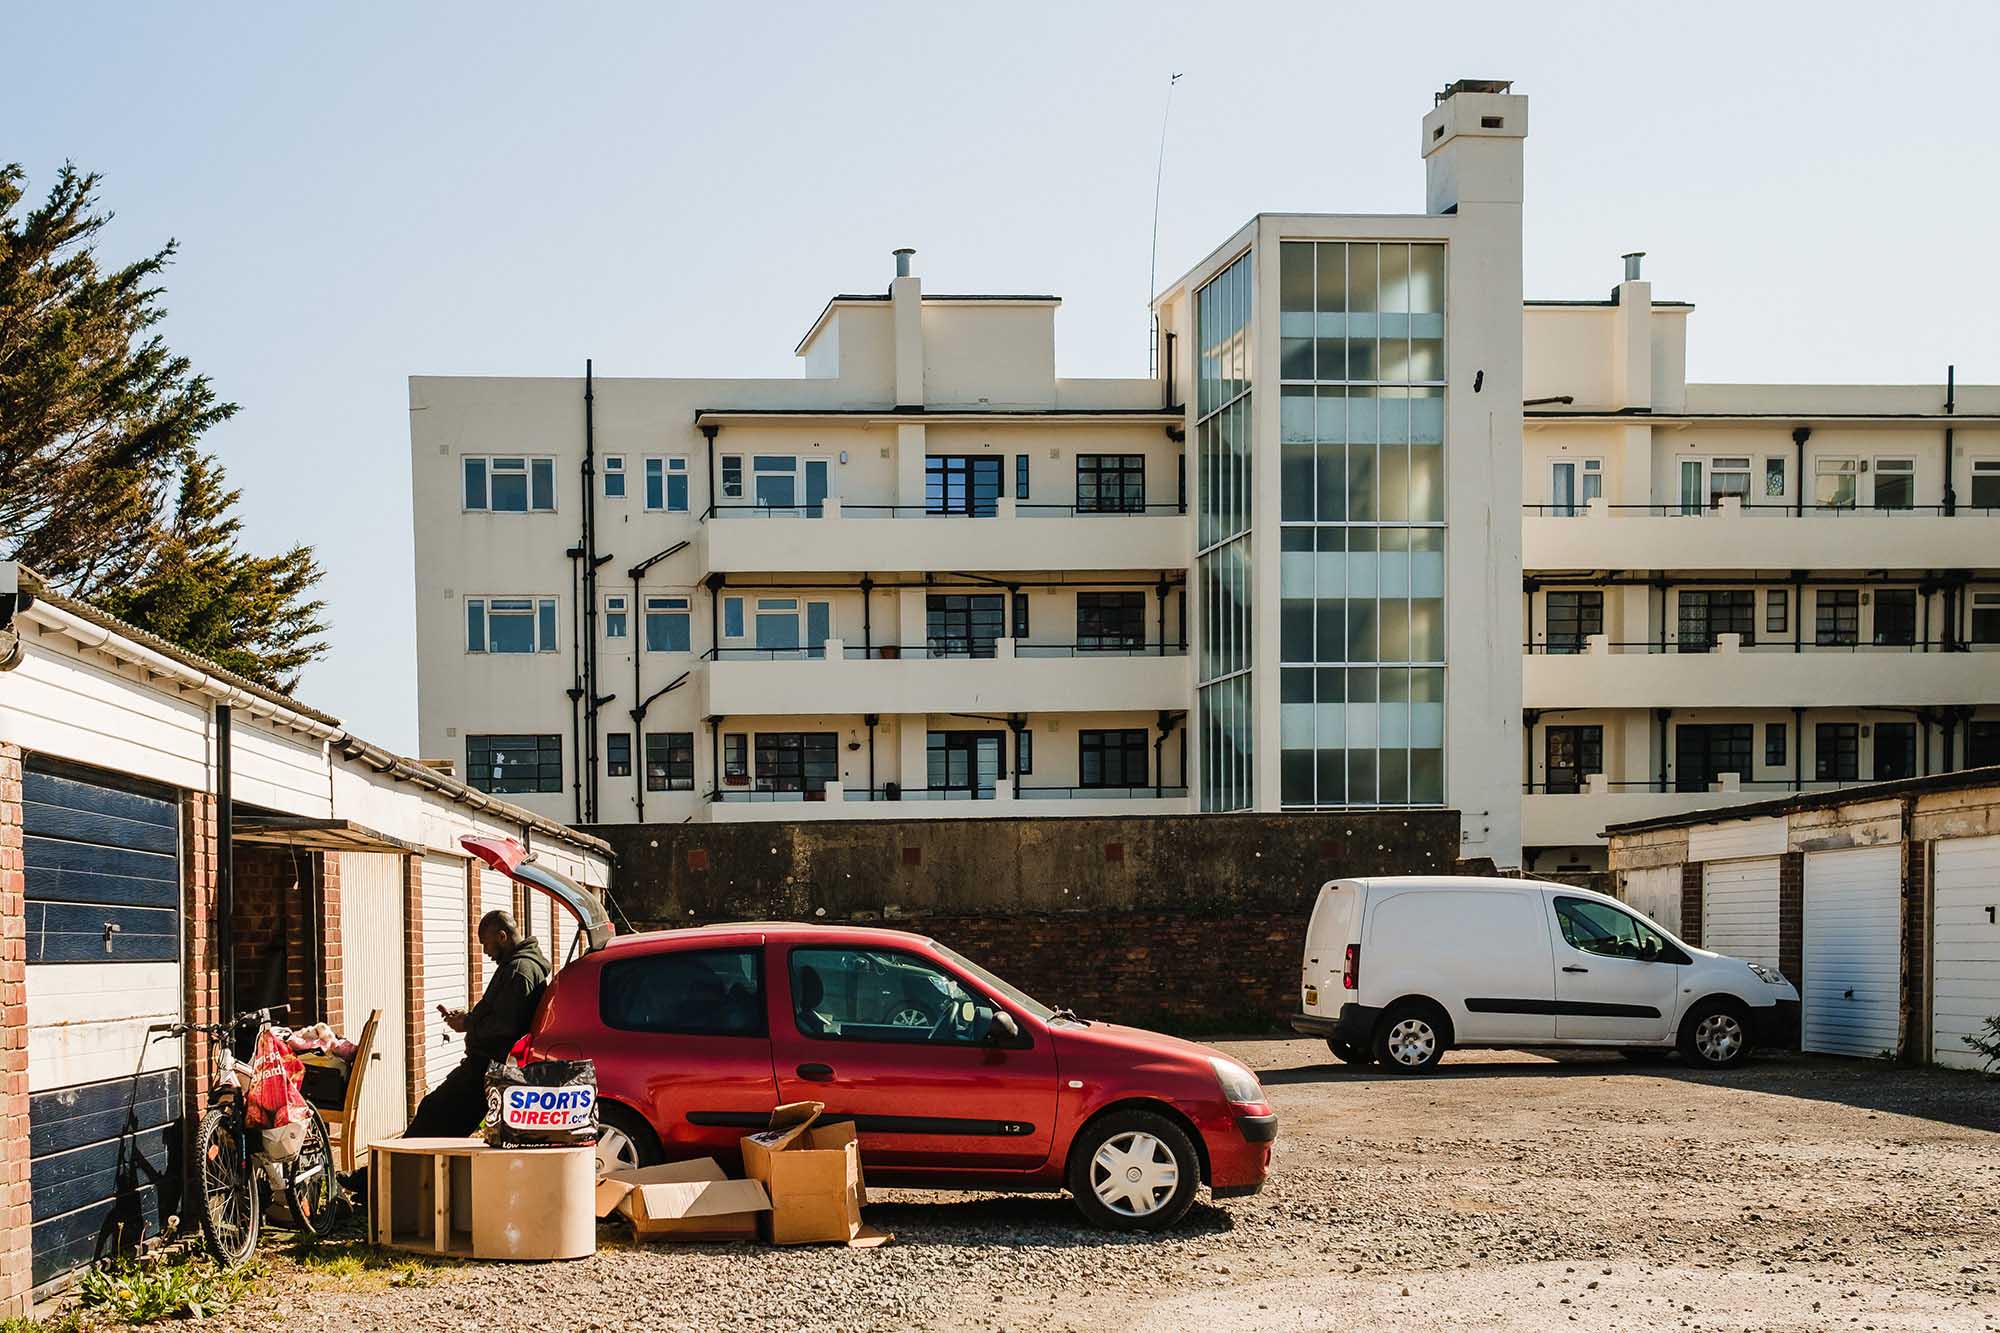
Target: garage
(446, 961)
(1739, 909)
(1853, 951)
(1965, 949)
(371, 928)
(1655, 891)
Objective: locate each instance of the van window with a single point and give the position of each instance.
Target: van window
(1602, 929)
(698, 993)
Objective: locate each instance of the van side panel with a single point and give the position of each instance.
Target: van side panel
(1487, 946)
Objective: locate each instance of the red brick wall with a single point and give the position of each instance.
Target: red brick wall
(1792, 917)
(201, 974)
(1691, 903)
(273, 917)
(330, 974)
(413, 978)
(16, 1206)
(475, 960)
(1916, 950)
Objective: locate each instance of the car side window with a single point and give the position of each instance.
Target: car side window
(1600, 928)
(883, 995)
(687, 992)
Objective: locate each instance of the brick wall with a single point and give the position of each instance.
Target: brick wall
(1792, 918)
(1691, 903)
(274, 931)
(16, 1203)
(331, 976)
(201, 974)
(474, 909)
(1916, 951)
(413, 979)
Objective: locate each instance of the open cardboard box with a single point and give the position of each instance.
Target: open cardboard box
(684, 1201)
(812, 1173)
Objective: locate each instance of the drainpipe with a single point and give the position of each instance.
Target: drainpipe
(872, 720)
(1016, 723)
(1169, 368)
(1798, 749)
(1798, 610)
(1529, 588)
(225, 866)
(1800, 435)
(1950, 407)
(868, 637)
(1160, 591)
(708, 433)
(1168, 721)
(638, 733)
(714, 583)
(575, 691)
(715, 756)
(1663, 714)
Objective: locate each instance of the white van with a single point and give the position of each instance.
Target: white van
(1400, 969)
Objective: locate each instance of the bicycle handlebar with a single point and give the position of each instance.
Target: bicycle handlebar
(218, 1030)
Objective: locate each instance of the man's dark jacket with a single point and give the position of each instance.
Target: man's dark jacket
(507, 1005)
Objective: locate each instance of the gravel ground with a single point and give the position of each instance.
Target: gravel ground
(1507, 1191)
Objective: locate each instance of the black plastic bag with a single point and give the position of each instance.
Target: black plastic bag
(548, 1104)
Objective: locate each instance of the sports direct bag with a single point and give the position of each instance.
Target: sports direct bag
(549, 1104)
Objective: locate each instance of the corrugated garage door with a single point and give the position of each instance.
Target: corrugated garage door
(1965, 966)
(371, 977)
(1853, 950)
(496, 894)
(446, 962)
(103, 908)
(1739, 909)
(1656, 891)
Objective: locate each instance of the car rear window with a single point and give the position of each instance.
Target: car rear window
(690, 992)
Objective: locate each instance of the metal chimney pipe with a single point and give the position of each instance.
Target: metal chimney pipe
(903, 261)
(1632, 265)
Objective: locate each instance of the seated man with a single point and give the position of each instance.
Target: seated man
(454, 1108)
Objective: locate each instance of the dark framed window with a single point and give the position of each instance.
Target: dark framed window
(1986, 617)
(1020, 615)
(1703, 752)
(736, 758)
(1574, 617)
(1775, 745)
(1896, 617)
(964, 624)
(510, 765)
(1836, 752)
(618, 754)
(1708, 613)
(732, 476)
(1112, 758)
(965, 761)
(1778, 611)
(669, 761)
(686, 992)
(1985, 484)
(1836, 617)
(1982, 744)
(884, 995)
(1106, 620)
(1020, 476)
(962, 484)
(1895, 750)
(1024, 752)
(1895, 483)
(1572, 754)
(797, 760)
(1110, 483)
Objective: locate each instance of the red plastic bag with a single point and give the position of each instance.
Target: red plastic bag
(274, 1094)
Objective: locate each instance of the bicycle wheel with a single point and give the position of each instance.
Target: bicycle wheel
(312, 1191)
(231, 1210)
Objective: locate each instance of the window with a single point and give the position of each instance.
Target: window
(614, 476)
(1600, 928)
(962, 484)
(669, 761)
(1110, 483)
(1896, 617)
(967, 762)
(1112, 758)
(1833, 482)
(618, 754)
(514, 765)
(732, 617)
(1837, 617)
(732, 476)
(1986, 483)
(1225, 469)
(736, 758)
(1690, 485)
(686, 992)
(1573, 618)
(510, 625)
(1110, 621)
(1024, 752)
(1774, 479)
(1573, 754)
(1986, 617)
(1895, 483)
(1020, 626)
(1775, 754)
(803, 761)
(884, 995)
(667, 625)
(510, 485)
(782, 482)
(667, 484)
(1895, 750)
(1708, 613)
(787, 624)
(1576, 484)
(1020, 476)
(1778, 611)
(1982, 744)
(616, 612)
(1728, 478)
(1836, 752)
(964, 624)
(1703, 752)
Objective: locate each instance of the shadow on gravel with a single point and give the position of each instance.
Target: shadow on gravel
(1022, 1219)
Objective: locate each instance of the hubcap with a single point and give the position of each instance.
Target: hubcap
(615, 1150)
(1718, 1037)
(910, 1018)
(1134, 1174)
(1411, 1042)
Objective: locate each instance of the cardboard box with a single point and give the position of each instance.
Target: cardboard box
(812, 1173)
(684, 1201)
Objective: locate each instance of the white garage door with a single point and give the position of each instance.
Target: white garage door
(496, 894)
(371, 977)
(1853, 950)
(1739, 909)
(447, 960)
(1656, 891)
(1965, 966)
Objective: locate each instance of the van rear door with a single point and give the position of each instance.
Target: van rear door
(1336, 915)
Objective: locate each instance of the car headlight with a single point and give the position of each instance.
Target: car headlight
(1769, 976)
(1238, 1083)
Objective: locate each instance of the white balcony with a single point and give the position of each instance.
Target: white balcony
(837, 802)
(1608, 675)
(854, 537)
(1733, 537)
(1578, 819)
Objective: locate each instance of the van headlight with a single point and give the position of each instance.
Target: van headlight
(1238, 1084)
(1769, 976)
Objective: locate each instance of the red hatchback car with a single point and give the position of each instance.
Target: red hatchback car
(954, 1078)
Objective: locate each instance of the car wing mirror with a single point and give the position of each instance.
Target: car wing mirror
(1004, 1027)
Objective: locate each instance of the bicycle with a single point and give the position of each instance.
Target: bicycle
(225, 1171)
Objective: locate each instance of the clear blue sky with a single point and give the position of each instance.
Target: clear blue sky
(363, 192)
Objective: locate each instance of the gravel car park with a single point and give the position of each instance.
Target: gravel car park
(1508, 1190)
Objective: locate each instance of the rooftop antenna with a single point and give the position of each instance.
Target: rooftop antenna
(1153, 270)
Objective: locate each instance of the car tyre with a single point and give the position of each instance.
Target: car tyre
(1134, 1171)
(1348, 1053)
(1716, 1034)
(1412, 1038)
(624, 1139)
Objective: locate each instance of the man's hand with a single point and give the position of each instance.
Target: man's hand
(453, 1018)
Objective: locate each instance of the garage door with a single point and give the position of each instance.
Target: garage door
(1656, 891)
(1853, 950)
(371, 941)
(1739, 909)
(496, 894)
(446, 962)
(103, 909)
(1965, 966)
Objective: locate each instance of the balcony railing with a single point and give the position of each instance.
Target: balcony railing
(834, 792)
(1716, 508)
(1598, 644)
(995, 507)
(1726, 784)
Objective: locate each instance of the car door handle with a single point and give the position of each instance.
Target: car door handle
(1572, 967)
(816, 1073)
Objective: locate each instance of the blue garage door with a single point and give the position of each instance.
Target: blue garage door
(103, 909)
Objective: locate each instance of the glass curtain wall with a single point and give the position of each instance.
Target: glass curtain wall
(1222, 541)
(1361, 562)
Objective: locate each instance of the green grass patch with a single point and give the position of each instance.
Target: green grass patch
(156, 1287)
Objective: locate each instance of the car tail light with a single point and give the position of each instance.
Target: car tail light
(1350, 970)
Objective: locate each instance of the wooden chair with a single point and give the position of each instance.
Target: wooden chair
(341, 1124)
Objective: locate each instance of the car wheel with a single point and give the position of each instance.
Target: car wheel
(1411, 1039)
(1348, 1053)
(624, 1140)
(1134, 1171)
(910, 1016)
(1716, 1035)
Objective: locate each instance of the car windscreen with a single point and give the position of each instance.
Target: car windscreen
(1005, 990)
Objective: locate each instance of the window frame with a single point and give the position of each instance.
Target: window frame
(666, 482)
(1110, 620)
(1665, 952)
(661, 604)
(1844, 751)
(730, 485)
(1982, 614)
(544, 616)
(1583, 608)
(1900, 466)
(1777, 744)
(617, 765)
(534, 470)
(1124, 470)
(1778, 611)
(617, 616)
(545, 744)
(675, 751)
(1901, 597)
(760, 1007)
(1837, 467)
(962, 485)
(1105, 742)
(614, 472)
(1587, 740)
(772, 777)
(1836, 617)
(1906, 735)
(921, 1037)
(959, 637)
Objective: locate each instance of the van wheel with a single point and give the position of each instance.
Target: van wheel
(1716, 1035)
(1349, 1054)
(1411, 1038)
(1134, 1171)
(624, 1140)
